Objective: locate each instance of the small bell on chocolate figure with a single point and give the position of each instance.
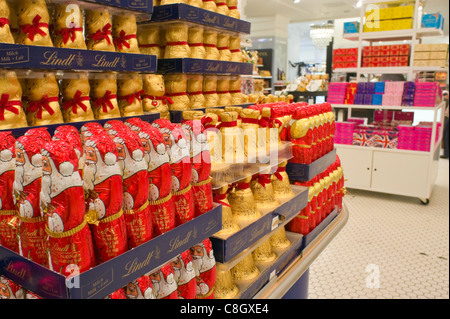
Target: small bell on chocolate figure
(225, 288)
(243, 203)
(264, 253)
(279, 239)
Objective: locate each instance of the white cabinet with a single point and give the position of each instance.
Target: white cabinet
(397, 172)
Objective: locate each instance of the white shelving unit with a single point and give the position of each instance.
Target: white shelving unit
(414, 35)
(392, 171)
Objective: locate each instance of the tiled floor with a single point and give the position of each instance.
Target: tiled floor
(391, 247)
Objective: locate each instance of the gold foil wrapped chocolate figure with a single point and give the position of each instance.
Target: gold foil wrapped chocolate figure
(225, 288)
(177, 46)
(281, 185)
(233, 9)
(229, 226)
(263, 193)
(76, 104)
(243, 203)
(33, 19)
(246, 269)
(264, 253)
(195, 41)
(210, 91)
(195, 92)
(98, 30)
(210, 42)
(176, 85)
(5, 23)
(129, 95)
(222, 7)
(154, 98)
(223, 91)
(12, 113)
(279, 239)
(104, 97)
(124, 32)
(149, 40)
(68, 27)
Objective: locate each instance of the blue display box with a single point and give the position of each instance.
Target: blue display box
(226, 249)
(188, 13)
(200, 66)
(351, 27)
(316, 231)
(17, 132)
(102, 280)
(434, 21)
(19, 56)
(306, 172)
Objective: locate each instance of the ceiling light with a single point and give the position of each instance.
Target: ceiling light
(322, 35)
(296, 1)
(359, 4)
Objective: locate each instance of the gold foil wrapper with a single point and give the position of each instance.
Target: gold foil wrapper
(264, 253)
(246, 269)
(149, 40)
(210, 42)
(225, 288)
(243, 205)
(279, 239)
(126, 87)
(264, 196)
(229, 225)
(177, 46)
(97, 21)
(70, 89)
(223, 44)
(198, 50)
(10, 85)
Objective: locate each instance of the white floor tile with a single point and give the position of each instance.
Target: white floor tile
(407, 241)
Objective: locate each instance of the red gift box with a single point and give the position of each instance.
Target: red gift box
(404, 47)
(339, 52)
(338, 58)
(403, 59)
(403, 52)
(393, 59)
(351, 51)
(351, 58)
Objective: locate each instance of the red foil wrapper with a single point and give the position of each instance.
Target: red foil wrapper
(72, 248)
(8, 234)
(201, 166)
(34, 240)
(185, 276)
(159, 174)
(141, 288)
(10, 290)
(300, 224)
(71, 135)
(164, 284)
(104, 188)
(181, 170)
(205, 265)
(134, 167)
(119, 294)
(62, 199)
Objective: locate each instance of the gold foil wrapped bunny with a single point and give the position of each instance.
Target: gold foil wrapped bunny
(104, 97)
(33, 19)
(68, 27)
(129, 95)
(235, 49)
(176, 85)
(223, 91)
(12, 113)
(195, 92)
(196, 3)
(177, 35)
(223, 45)
(43, 105)
(124, 32)
(98, 30)
(222, 7)
(237, 98)
(209, 5)
(210, 91)
(154, 98)
(76, 105)
(5, 23)
(149, 40)
(233, 9)
(210, 42)
(196, 45)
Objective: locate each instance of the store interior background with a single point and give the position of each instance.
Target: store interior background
(409, 242)
(284, 27)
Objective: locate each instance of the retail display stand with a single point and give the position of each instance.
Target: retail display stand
(390, 170)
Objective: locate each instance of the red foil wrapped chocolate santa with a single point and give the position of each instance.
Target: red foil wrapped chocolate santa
(71, 135)
(205, 265)
(27, 188)
(134, 167)
(201, 166)
(8, 211)
(62, 201)
(141, 288)
(10, 290)
(104, 196)
(164, 284)
(180, 164)
(185, 275)
(159, 174)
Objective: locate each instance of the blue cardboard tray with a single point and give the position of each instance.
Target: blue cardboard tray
(17, 132)
(110, 276)
(188, 13)
(201, 66)
(316, 231)
(226, 249)
(306, 172)
(19, 56)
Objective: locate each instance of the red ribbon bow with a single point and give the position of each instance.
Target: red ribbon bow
(76, 102)
(164, 99)
(270, 122)
(278, 175)
(102, 34)
(122, 40)
(6, 104)
(219, 199)
(35, 27)
(264, 179)
(105, 101)
(130, 98)
(44, 103)
(227, 124)
(69, 33)
(3, 22)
